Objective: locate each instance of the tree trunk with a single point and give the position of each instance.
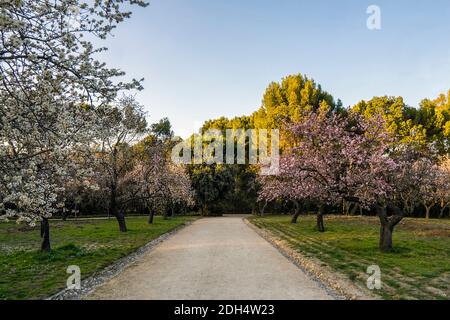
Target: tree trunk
(442, 212)
(204, 209)
(113, 210)
(150, 217)
(387, 225)
(296, 212)
(443, 206)
(353, 210)
(45, 235)
(386, 238)
(320, 224)
(428, 210)
(121, 220)
(263, 208)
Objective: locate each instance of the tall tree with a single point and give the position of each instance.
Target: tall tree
(121, 125)
(50, 86)
(290, 101)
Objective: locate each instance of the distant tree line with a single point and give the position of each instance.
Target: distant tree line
(423, 131)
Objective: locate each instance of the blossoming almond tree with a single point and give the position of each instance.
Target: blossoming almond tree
(157, 183)
(121, 125)
(443, 191)
(50, 86)
(289, 185)
(337, 159)
(331, 157)
(427, 178)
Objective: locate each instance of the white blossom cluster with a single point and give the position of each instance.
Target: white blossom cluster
(51, 87)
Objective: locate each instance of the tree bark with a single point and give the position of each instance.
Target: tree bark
(344, 207)
(150, 217)
(148, 212)
(387, 225)
(442, 212)
(428, 210)
(296, 212)
(386, 238)
(114, 211)
(320, 224)
(204, 209)
(121, 220)
(45, 235)
(263, 208)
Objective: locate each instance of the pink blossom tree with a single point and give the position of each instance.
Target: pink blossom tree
(332, 158)
(352, 159)
(443, 191)
(427, 176)
(157, 183)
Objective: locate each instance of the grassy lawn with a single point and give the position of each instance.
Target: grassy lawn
(26, 273)
(418, 268)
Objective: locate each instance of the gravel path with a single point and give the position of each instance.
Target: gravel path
(213, 258)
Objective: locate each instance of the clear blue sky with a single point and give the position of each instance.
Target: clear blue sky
(202, 59)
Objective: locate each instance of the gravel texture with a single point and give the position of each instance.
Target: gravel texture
(114, 269)
(337, 284)
(213, 259)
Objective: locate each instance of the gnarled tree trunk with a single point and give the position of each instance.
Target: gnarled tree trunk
(121, 220)
(320, 224)
(386, 238)
(114, 211)
(387, 225)
(297, 212)
(45, 235)
(428, 208)
(150, 213)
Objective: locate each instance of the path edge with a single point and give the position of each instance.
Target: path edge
(100, 277)
(339, 285)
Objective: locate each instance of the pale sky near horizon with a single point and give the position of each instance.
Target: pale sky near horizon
(202, 59)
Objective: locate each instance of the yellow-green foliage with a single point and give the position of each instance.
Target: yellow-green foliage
(428, 123)
(289, 100)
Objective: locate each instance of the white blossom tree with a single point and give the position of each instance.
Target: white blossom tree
(156, 182)
(50, 88)
(120, 126)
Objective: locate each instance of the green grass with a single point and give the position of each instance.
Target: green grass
(27, 273)
(418, 267)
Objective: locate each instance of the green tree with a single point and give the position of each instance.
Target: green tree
(398, 116)
(211, 183)
(289, 100)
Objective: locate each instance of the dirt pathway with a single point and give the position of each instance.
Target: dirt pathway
(214, 258)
